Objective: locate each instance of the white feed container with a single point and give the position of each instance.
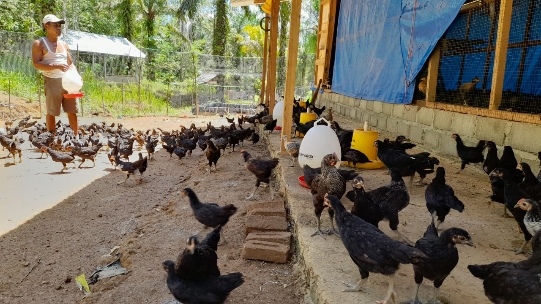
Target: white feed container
(319, 141)
(278, 113)
(72, 81)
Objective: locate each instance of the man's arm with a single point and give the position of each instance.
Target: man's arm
(37, 60)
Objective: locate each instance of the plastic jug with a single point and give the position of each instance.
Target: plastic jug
(72, 81)
(319, 141)
(278, 113)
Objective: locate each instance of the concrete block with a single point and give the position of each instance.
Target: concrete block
(416, 134)
(447, 145)
(356, 102)
(463, 124)
(425, 116)
(403, 128)
(269, 211)
(359, 115)
(392, 125)
(491, 129)
(398, 111)
(342, 110)
(387, 109)
(265, 223)
(362, 104)
(373, 119)
(352, 113)
(378, 106)
(410, 112)
(431, 138)
(370, 105)
(443, 120)
(271, 236)
(265, 251)
(525, 137)
(351, 102)
(382, 122)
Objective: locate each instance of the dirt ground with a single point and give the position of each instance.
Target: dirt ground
(14, 108)
(150, 222)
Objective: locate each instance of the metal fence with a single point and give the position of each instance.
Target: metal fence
(158, 83)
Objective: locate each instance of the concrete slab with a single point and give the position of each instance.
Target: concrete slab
(362, 104)
(382, 122)
(388, 109)
(525, 137)
(279, 237)
(265, 223)
(370, 105)
(447, 145)
(491, 129)
(398, 111)
(443, 120)
(425, 116)
(463, 124)
(378, 107)
(373, 120)
(265, 251)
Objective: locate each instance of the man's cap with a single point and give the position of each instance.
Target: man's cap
(53, 19)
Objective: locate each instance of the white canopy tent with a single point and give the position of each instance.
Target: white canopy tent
(103, 44)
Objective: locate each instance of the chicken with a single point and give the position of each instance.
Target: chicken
(262, 169)
(513, 194)
(401, 143)
(150, 146)
(392, 158)
(143, 166)
(197, 260)
(254, 138)
(532, 219)
(442, 256)
(530, 184)
(469, 155)
(111, 155)
(310, 173)
(316, 110)
(370, 249)
(60, 157)
(271, 125)
(212, 154)
(466, 89)
(491, 161)
(86, 153)
(381, 203)
(292, 148)
(14, 148)
(512, 283)
(440, 198)
(128, 167)
(355, 157)
(179, 152)
(230, 120)
(331, 182)
(169, 149)
(209, 214)
(422, 85)
(206, 290)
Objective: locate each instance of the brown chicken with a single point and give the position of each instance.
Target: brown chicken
(212, 154)
(61, 157)
(86, 153)
(14, 147)
(262, 169)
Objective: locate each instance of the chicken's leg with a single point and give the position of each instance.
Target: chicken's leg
(252, 195)
(318, 231)
(390, 292)
(127, 176)
(356, 287)
(434, 299)
(63, 167)
(332, 230)
(521, 249)
(435, 219)
(292, 162)
(404, 238)
(416, 296)
(82, 161)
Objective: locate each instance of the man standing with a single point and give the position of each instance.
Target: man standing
(52, 57)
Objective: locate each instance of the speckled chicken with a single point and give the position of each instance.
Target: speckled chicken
(331, 182)
(381, 203)
(442, 256)
(440, 198)
(86, 153)
(60, 157)
(292, 148)
(532, 218)
(262, 169)
(370, 249)
(513, 283)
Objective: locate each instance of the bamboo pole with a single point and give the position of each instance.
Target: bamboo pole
(291, 73)
(500, 56)
(265, 55)
(273, 46)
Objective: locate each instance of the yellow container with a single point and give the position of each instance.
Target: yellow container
(302, 104)
(305, 117)
(364, 141)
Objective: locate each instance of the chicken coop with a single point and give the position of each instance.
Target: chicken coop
(488, 62)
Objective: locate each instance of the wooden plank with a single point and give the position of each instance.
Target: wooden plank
(273, 45)
(512, 116)
(500, 57)
(330, 38)
(291, 73)
(265, 63)
(432, 77)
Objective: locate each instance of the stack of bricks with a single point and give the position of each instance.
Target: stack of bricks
(267, 238)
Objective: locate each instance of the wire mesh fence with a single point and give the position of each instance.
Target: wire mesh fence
(466, 64)
(154, 83)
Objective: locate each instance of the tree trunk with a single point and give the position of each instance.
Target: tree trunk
(285, 12)
(219, 41)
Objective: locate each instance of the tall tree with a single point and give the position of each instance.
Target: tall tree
(219, 40)
(285, 13)
(151, 9)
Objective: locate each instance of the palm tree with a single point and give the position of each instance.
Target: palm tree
(151, 9)
(219, 40)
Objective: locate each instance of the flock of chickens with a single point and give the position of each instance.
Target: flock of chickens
(195, 277)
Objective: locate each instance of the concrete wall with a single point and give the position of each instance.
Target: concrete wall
(432, 128)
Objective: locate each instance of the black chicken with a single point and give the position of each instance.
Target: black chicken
(381, 203)
(442, 256)
(269, 126)
(169, 149)
(150, 146)
(370, 249)
(262, 169)
(199, 259)
(86, 153)
(530, 184)
(254, 138)
(329, 181)
(128, 167)
(209, 214)
(532, 218)
(469, 155)
(513, 283)
(513, 194)
(401, 143)
(491, 161)
(205, 290)
(143, 166)
(355, 157)
(212, 154)
(179, 152)
(440, 198)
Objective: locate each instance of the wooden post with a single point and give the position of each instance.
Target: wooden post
(265, 53)
(432, 77)
(500, 56)
(291, 73)
(273, 46)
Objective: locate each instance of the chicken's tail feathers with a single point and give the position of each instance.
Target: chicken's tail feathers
(477, 271)
(431, 229)
(455, 203)
(230, 209)
(231, 281)
(309, 174)
(213, 238)
(408, 255)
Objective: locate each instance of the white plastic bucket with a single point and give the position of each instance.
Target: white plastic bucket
(72, 81)
(319, 141)
(278, 113)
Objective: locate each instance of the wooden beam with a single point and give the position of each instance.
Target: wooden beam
(291, 73)
(265, 57)
(273, 46)
(500, 57)
(432, 77)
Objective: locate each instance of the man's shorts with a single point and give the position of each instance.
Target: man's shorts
(54, 96)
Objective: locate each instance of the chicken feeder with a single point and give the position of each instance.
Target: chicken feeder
(319, 141)
(72, 83)
(278, 114)
(305, 117)
(364, 141)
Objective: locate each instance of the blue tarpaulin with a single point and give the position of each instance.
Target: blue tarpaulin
(382, 44)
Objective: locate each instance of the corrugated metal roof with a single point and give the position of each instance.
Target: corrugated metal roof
(103, 44)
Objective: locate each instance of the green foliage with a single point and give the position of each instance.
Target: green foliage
(221, 28)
